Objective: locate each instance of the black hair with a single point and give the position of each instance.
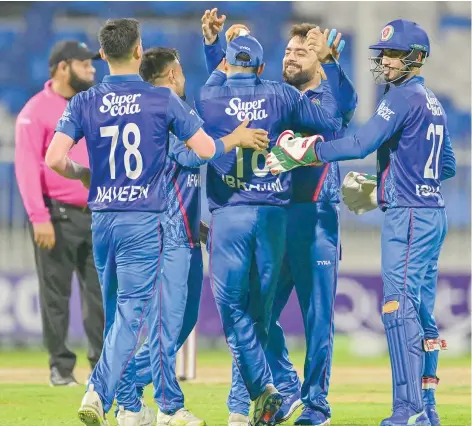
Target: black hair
(155, 62)
(244, 57)
(118, 37)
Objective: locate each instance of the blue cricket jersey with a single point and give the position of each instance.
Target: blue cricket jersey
(414, 152)
(183, 212)
(126, 123)
(322, 183)
(313, 183)
(241, 177)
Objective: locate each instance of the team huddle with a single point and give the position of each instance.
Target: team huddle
(273, 186)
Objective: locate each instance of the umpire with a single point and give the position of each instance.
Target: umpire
(60, 223)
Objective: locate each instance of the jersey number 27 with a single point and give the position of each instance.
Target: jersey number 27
(434, 131)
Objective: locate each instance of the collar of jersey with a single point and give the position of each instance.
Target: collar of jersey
(242, 79)
(418, 79)
(317, 90)
(124, 77)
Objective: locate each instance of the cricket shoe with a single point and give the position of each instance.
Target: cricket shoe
(238, 420)
(288, 407)
(181, 417)
(91, 410)
(312, 417)
(145, 417)
(265, 407)
(403, 416)
(57, 379)
(432, 414)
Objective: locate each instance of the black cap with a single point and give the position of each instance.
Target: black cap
(70, 49)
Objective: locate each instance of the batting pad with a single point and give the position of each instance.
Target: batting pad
(405, 346)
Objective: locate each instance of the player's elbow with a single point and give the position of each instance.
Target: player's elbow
(448, 173)
(337, 124)
(202, 144)
(52, 159)
(208, 151)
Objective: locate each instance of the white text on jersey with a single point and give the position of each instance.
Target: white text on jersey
(433, 105)
(120, 105)
(121, 193)
(384, 111)
(250, 110)
(233, 182)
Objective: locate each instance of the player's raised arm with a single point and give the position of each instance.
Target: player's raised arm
(68, 132)
(328, 47)
(212, 25)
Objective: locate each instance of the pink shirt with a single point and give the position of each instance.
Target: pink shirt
(35, 127)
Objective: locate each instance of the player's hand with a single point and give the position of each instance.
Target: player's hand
(318, 42)
(292, 152)
(44, 235)
(85, 178)
(336, 43)
(257, 139)
(235, 31)
(212, 25)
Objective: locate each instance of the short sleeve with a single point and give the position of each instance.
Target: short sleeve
(183, 120)
(70, 122)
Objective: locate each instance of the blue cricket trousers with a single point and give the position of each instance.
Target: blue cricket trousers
(246, 253)
(182, 278)
(411, 242)
(311, 265)
(127, 253)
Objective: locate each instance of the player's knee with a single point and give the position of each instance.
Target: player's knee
(398, 307)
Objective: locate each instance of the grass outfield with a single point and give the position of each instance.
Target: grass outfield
(360, 390)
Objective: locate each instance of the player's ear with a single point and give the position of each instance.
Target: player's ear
(171, 76)
(62, 66)
(260, 69)
(138, 51)
(102, 55)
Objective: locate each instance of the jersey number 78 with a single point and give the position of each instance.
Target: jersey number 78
(131, 148)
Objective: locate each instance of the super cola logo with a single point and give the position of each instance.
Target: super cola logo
(253, 110)
(120, 105)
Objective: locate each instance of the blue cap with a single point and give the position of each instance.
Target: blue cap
(402, 34)
(245, 44)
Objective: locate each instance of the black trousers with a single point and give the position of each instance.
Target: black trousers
(72, 252)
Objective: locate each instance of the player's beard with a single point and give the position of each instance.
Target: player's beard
(77, 84)
(298, 79)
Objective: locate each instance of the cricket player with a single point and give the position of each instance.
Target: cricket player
(126, 122)
(313, 240)
(414, 154)
(182, 256)
(247, 205)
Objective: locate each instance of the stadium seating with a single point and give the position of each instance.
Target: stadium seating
(26, 40)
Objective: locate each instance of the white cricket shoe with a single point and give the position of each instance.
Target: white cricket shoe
(91, 410)
(238, 420)
(265, 406)
(145, 417)
(181, 417)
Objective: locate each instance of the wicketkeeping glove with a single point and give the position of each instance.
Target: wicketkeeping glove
(359, 192)
(292, 151)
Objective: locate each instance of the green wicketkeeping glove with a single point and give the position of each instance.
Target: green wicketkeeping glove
(359, 192)
(292, 151)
